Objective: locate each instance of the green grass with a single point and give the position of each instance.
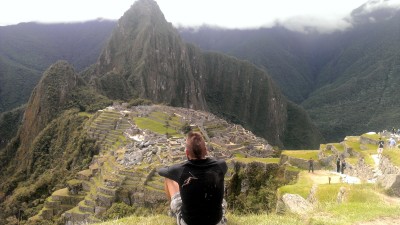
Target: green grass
(61, 192)
(293, 168)
(365, 150)
(302, 187)
(302, 154)
(339, 147)
(352, 160)
(159, 115)
(262, 219)
(85, 114)
(363, 202)
(353, 143)
(393, 155)
(261, 160)
(372, 136)
(155, 126)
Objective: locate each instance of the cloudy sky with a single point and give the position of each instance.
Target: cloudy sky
(223, 13)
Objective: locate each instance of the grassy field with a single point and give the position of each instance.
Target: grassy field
(363, 202)
(263, 219)
(302, 154)
(155, 126)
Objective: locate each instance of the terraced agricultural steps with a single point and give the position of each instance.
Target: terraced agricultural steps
(125, 169)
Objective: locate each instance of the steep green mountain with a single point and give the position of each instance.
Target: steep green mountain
(345, 80)
(27, 49)
(293, 59)
(360, 83)
(146, 58)
(9, 124)
(50, 146)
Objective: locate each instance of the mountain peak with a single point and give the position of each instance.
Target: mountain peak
(142, 12)
(145, 58)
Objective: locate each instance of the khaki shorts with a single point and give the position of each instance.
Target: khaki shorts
(176, 204)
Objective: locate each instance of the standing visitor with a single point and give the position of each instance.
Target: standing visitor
(343, 166)
(392, 143)
(381, 143)
(338, 164)
(311, 165)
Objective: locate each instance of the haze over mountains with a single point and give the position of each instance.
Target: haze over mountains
(345, 80)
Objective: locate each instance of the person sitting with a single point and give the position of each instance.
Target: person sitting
(196, 186)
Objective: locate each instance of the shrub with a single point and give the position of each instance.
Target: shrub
(119, 210)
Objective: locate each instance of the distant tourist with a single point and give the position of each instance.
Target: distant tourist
(393, 131)
(338, 164)
(381, 143)
(311, 165)
(196, 186)
(392, 143)
(343, 166)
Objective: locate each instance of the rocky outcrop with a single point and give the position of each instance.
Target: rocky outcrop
(361, 170)
(390, 178)
(293, 203)
(341, 196)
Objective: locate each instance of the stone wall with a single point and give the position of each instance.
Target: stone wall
(300, 163)
(390, 178)
(361, 170)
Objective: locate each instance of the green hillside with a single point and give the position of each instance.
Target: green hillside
(346, 80)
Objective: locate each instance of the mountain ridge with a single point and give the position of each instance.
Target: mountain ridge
(131, 62)
(345, 72)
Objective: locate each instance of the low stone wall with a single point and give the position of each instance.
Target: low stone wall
(360, 170)
(390, 178)
(300, 163)
(387, 167)
(365, 140)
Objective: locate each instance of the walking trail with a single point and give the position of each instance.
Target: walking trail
(322, 177)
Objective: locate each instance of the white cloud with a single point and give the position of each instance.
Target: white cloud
(223, 13)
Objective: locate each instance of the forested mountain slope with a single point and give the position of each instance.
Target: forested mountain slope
(345, 79)
(147, 58)
(27, 49)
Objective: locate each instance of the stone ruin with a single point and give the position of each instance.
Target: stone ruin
(125, 169)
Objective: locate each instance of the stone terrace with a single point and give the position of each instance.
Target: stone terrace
(125, 169)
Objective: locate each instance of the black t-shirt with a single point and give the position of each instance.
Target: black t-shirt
(201, 185)
(381, 143)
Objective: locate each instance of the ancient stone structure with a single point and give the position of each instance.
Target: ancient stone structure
(125, 169)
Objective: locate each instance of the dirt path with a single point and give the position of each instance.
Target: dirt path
(322, 177)
(381, 221)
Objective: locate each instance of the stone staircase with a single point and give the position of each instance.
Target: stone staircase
(95, 189)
